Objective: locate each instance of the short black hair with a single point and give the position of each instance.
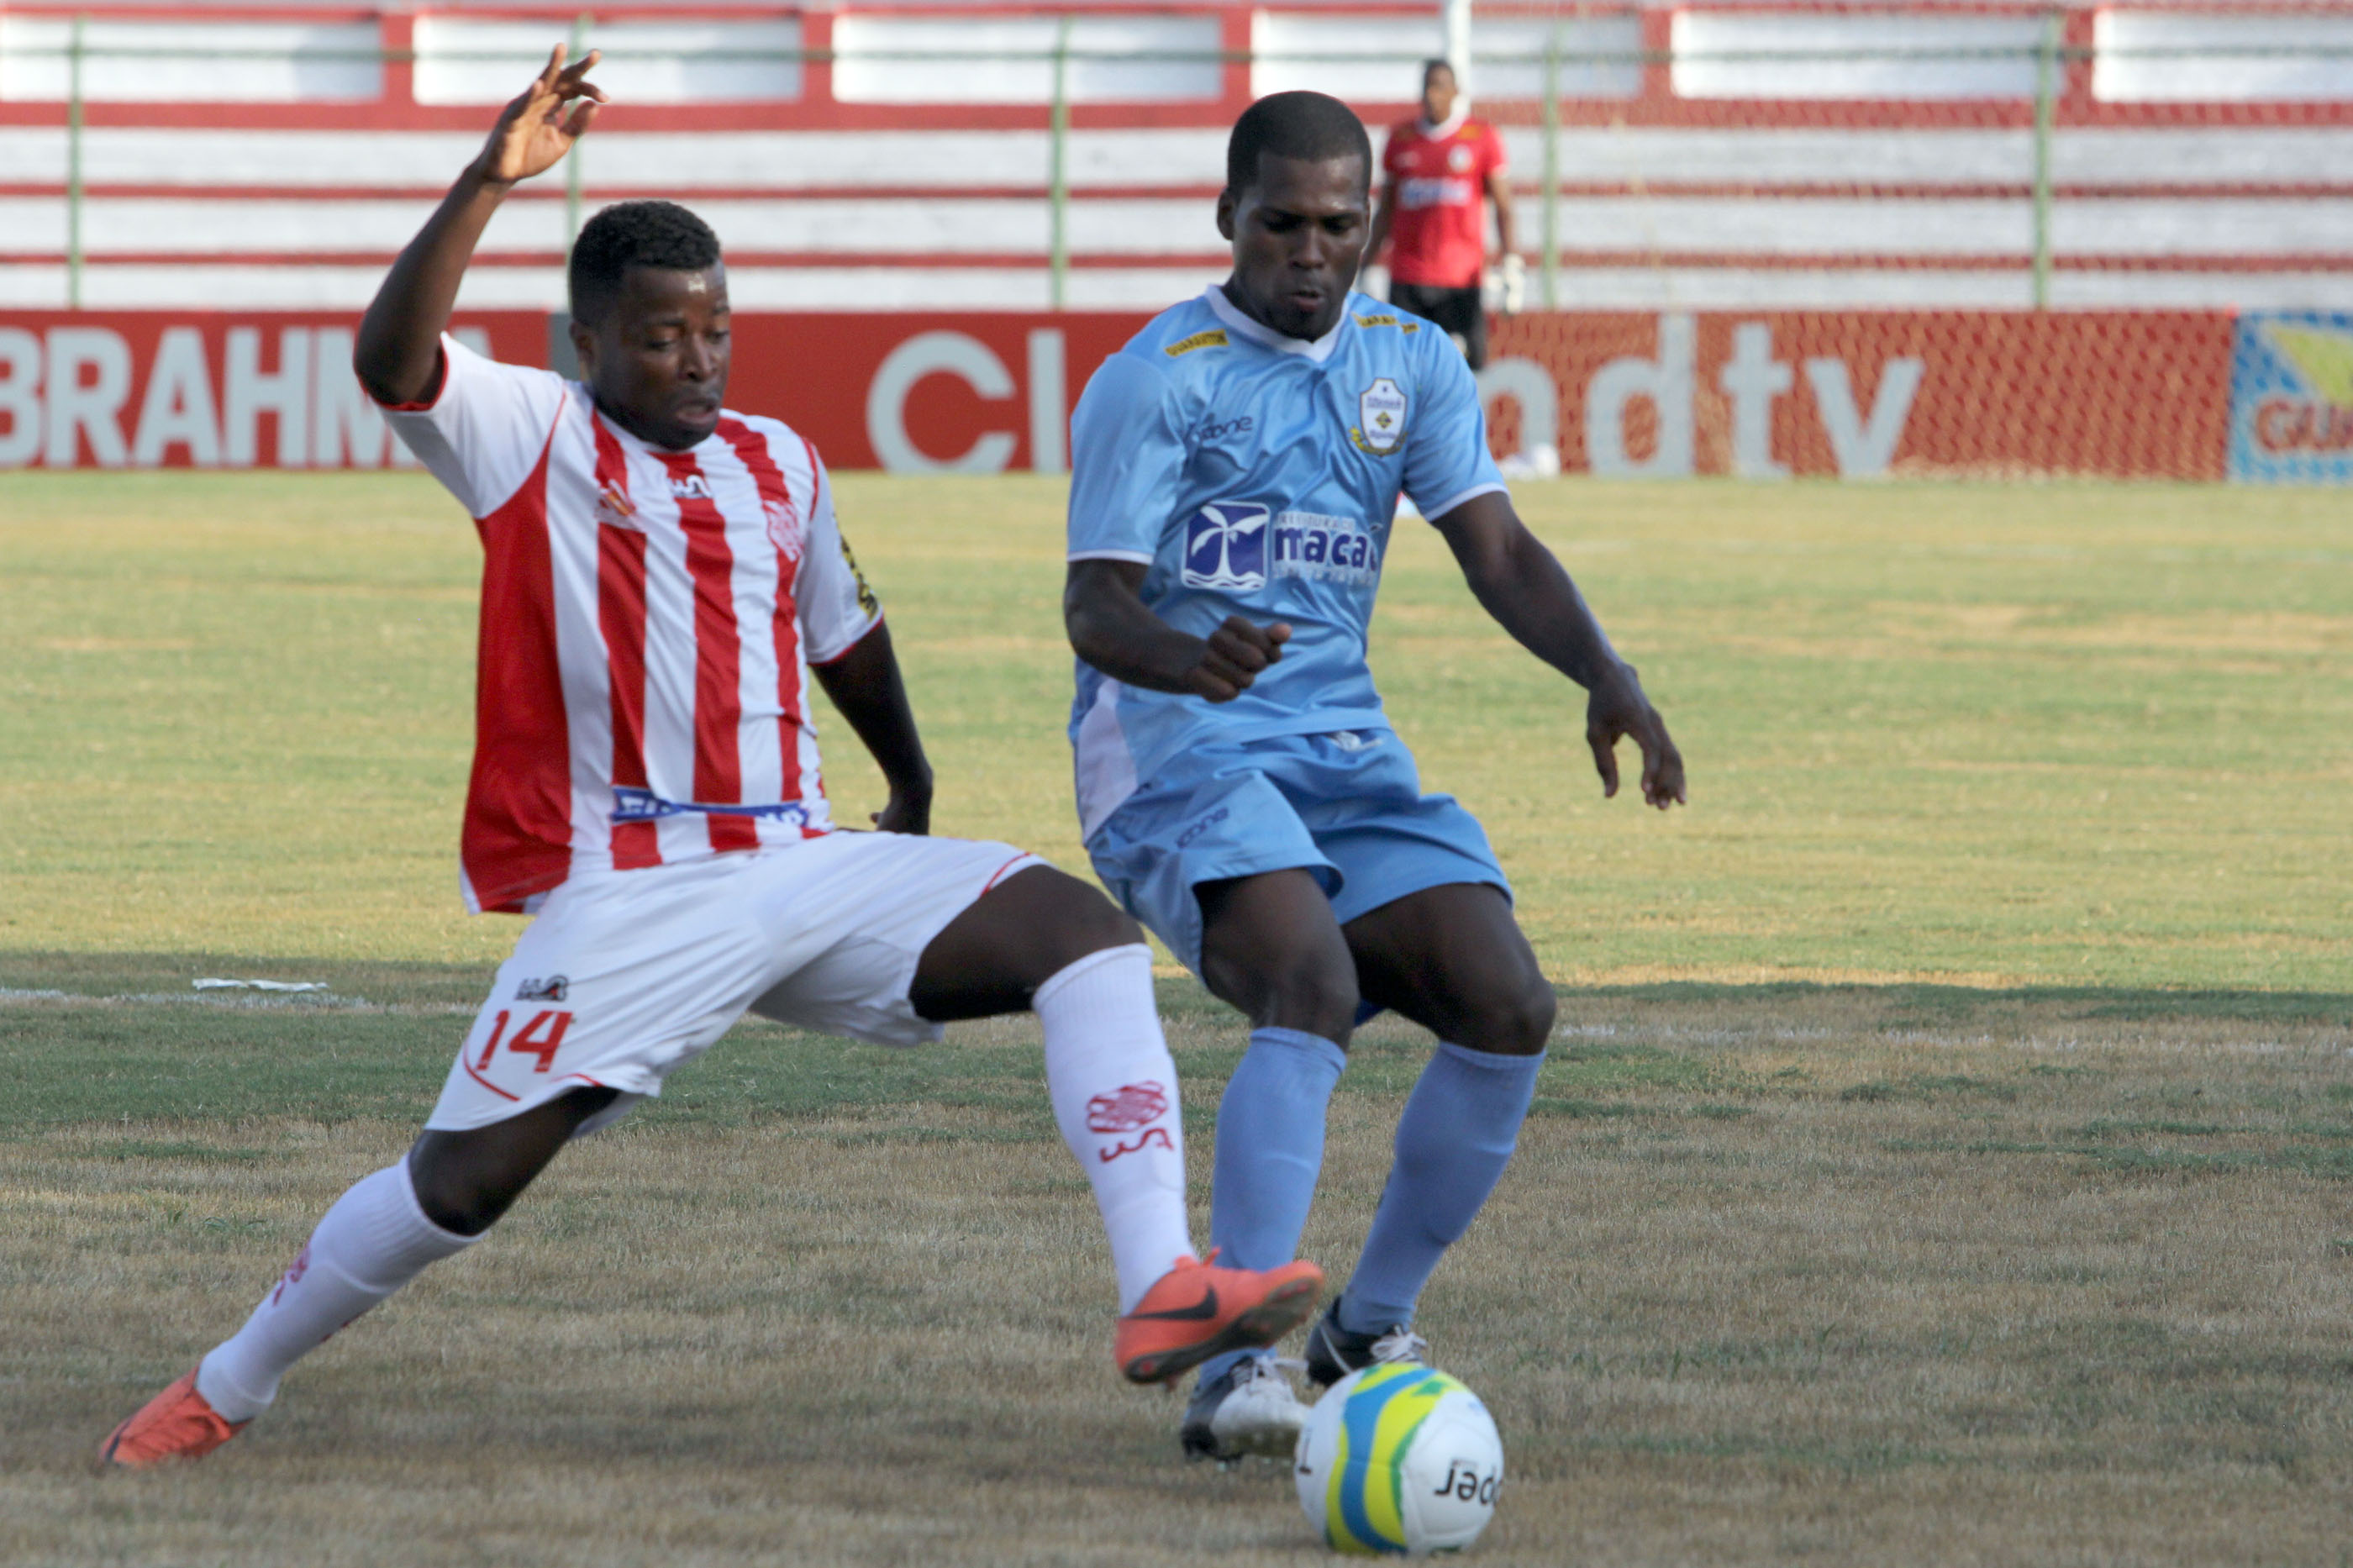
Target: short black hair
(1431, 67)
(1307, 125)
(634, 234)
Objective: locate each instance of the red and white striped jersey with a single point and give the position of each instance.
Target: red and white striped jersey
(648, 619)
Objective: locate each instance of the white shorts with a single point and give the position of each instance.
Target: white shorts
(625, 975)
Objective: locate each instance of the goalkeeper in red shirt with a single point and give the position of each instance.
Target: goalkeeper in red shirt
(1440, 172)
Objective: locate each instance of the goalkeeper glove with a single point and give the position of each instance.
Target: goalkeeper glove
(1514, 274)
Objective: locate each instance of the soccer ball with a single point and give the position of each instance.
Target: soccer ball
(1398, 1457)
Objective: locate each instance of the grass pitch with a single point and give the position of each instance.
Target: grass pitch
(1944, 1156)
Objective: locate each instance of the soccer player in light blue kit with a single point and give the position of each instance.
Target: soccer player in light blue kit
(1236, 471)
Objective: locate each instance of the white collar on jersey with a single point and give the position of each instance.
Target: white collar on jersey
(1316, 349)
(1448, 126)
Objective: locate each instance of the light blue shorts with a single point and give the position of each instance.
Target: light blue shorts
(1347, 807)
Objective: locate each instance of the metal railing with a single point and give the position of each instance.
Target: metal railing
(2052, 57)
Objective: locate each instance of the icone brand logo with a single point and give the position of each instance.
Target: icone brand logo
(695, 486)
(1218, 430)
(552, 989)
(1225, 546)
(1185, 840)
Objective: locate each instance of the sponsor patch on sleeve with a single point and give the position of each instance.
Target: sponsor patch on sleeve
(866, 600)
(1214, 337)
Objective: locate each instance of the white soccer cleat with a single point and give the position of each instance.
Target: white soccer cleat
(1249, 1410)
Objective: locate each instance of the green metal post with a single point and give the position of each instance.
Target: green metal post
(572, 165)
(1058, 187)
(1552, 169)
(73, 165)
(2046, 94)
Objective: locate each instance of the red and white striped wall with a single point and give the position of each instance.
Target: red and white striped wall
(1788, 156)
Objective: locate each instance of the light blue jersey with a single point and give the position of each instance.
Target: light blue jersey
(1258, 475)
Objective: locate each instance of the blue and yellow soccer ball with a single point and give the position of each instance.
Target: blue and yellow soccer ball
(1398, 1457)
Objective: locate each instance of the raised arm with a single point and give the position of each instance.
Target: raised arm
(866, 686)
(1112, 629)
(399, 338)
(1525, 587)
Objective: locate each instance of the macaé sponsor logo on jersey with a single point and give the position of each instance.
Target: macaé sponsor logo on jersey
(1325, 549)
(1225, 546)
(1237, 545)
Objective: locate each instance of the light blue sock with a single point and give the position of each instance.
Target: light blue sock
(1453, 1143)
(1270, 1152)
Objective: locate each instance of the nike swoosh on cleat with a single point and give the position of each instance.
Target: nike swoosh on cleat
(1202, 1310)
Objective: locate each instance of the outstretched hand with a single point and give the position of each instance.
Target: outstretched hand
(1618, 709)
(536, 130)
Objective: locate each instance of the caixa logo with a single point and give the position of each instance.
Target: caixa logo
(1225, 546)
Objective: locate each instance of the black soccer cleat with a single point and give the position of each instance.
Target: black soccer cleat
(1333, 1351)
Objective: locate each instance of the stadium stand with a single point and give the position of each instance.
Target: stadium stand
(875, 157)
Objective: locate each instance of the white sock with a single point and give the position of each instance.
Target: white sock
(372, 1242)
(1114, 1091)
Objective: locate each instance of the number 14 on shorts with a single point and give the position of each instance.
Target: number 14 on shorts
(541, 1036)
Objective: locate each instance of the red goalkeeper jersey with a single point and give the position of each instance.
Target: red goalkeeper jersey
(1437, 231)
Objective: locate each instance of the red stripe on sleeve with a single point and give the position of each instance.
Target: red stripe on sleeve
(517, 839)
(621, 617)
(788, 531)
(718, 658)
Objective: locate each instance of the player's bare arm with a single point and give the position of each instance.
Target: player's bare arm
(866, 686)
(1112, 629)
(1524, 585)
(399, 338)
(1499, 191)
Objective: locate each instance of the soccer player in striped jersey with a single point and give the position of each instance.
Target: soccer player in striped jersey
(661, 577)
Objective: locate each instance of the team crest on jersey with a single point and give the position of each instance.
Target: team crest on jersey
(1225, 546)
(1458, 158)
(614, 508)
(1380, 418)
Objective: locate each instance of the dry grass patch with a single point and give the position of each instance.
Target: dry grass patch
(1860, 1276)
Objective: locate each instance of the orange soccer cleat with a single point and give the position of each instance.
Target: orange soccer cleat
(177, 1423)
(1197, 1309)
